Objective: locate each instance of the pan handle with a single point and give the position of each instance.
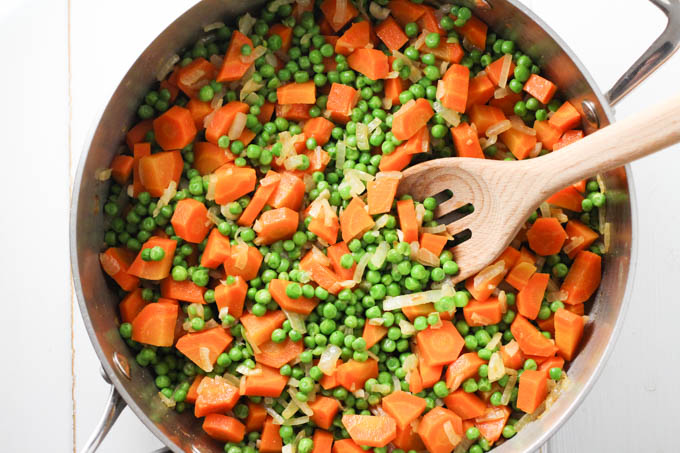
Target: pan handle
(657, 54)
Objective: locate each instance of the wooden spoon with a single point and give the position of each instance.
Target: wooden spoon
(504, 194)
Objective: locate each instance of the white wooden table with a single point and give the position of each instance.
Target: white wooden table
(61, 61)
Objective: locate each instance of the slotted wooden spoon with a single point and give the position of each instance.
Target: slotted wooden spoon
(504, 194)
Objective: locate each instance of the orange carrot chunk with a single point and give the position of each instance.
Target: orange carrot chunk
(209, 157)
(440, 346)
(271, 441)
(352, 375)
(568, 332)
(547, 134)
(277, 355)
(454, 87)
(466, 141)
(373, 334)
(491, 423)
(335, 253)
(583, 278)
(434, 434)
(356, 37)
(275, 225)
(186, 291)
(116, 263)
(408, 222)
(121, 168)
(530, 297)
(289, 193)
(155, 324)
(370, 62)
(216, 249)
(297, 93)
(341, 100)
(174, 129)
(256, 417)
(158, 170)
(301, 305)
(371, 430)
(234, 67)
(403, 407)
(519, 276)
(575, 230)
(259, 328)
(480, 91)
(355, 220)
(463, 368)
(338, 19)
(533, 388)
(485, 116)
(530, 340)
(131, 305)
(410, 118)
(565, 118)
(154, 270)
(232, 183)
(215, 395)
(203, 347)
(324, 409)
(381, 193)
(190, 220)
(224, 428)
(483, 313)
(435, 243)
(391, 34)
(540, 88)
(269, 383)
(263, 193)
(519, 143)
(546, 236)
(465, 405)
(323, 441)
(567, 198)
(347, 446)
(232, 296)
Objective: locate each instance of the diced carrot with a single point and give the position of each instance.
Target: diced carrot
(186, 291)
(131, 305)
(232, 296)
(234, 67)
(275, 225)
(140, 150)
(440, 346)
(335, 253)
(322, 440)
(381, 193)
(512, 355)
(194, 75)
(318, 159)
(324, 409)
(530, 297)
(289, 193)
(485, 116)
(269, 383)
(419, 143)
(568, 332)
(199, 110)
(415, 382)
(480, 91)
(295, 112)
(405, 11)
(256, 417)
(277, 355)
(567, 198)
(137, 133)
(192, 393)
(397, 160)
(580, 186)
(547, 325)
(223, 118)
(410, 118)
(435, 243)
(154, 270)
(301, 305)
(408, 439)
(408, 222)
(194, 346)
(491, 423)
(370, 62)
(174, 129)
(546, 134)
(455, 87)
(552, 362)
(576, 229)
(356, 37)
(525, 256)
(403, 407)
(465, 405)
(215, 395)
(546, 236)
(266, 112)
(209, 157)
(263, 193)
(121, 168)
(224, 428)
(373, 334)
(324, 277)
(233, 182)
(506, 103)
(391, 34)
(530, 340)
(484, 288)
(216, 250)
(271, 441)
(475, 32)
(568, 138)
(347, 446)
(429, 374)
(565, 118)
(483, 313)
(116, 263)
(326, 226)
(337, 21)
(540, 88)
(260, 328)
(583, 278)
(533, 388)
(520, 274)
(393, 87)
(355, 220)
(189, 220)
(319, 129)
(155, 324)
(352, 375)
(285, 33)
(329, 381)
(170, 84)
(371, 430)
(519, 143)
(341, 101)
(466, 141)
(432, 432)
(158, 170)
(297, 93)
(494, 70)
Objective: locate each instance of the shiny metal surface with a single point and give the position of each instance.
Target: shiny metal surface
(98, 302)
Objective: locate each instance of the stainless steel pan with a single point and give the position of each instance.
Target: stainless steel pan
(133, 386)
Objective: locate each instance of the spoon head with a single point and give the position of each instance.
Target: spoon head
(479, 201)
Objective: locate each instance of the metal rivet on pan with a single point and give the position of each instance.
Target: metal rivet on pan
(590, 113)
(122, 365)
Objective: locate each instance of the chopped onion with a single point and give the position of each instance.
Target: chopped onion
(231, 379)
(373, 356)
(496, 367)
(361, 175)
(450, 116)
(443, 67)
(407, 329)
(507, 391)
(488, 273)
(240, 255)
(340, 9)
(559, 215)
(168, 194)
(274, 6)
(168, 402)
(204, 359)
(420, 40)
(278, 420)
(416, 74)
(410, 363)
(498, 128)
(495, 341)
(519, 125)
(165, 69)
(505, 70)
(376, 321)
(389, 175)
(252, 344)
(244, 370)
(434, 230)
(454, 438)
(340, 152)
(361, 266)
(486, 143)
(250, 86)
(246, 23)
(237, 126)
(213, 26)
(378, 12)
(362, 137)
(103, 174)
(329, 359)
(293, 162)
(373, 125)
(600, 183)
(537, 150)
(545, 209)
(411, 300)
(380, 254)
(574, 242)
(427, 258)
(211, 215)
(297, 320)
(387, 103)
(304, 407)
(607, 236)
(380, 222)
(552, 296)
(500, 93)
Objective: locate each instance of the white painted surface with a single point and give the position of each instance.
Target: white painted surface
(629, 409)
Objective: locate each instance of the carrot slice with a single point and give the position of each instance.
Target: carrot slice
(232, 296)
(329, 381)
(381, 193)
(408, 439)
(568, 332)
(530, 297)
(116, 263)
(405, 11)
(137, 133)
(397, 160)
(547, 134)
(174, 129)
(494, 69)
(403, 407)
(209, 157)
(567, 198)
(277, 355)
(356, 37)
(158, 170)
(474, 31)
(512, 355)
(233, 182)
(393, 87)
(432, 432)
(466, 141)
(234, 67)
(533, 388)
(256, 417)
(483, 313)
(289, 193)
(190, 220)
(326, 228)
(341, 101)
(222, 119)
(154, 270)
(260, 198)
(408, 222)
(215, 395)
(335, 253)
(194, 75)
(491, 423)
(323, 441)
(301, 305)
(155, 324)
(199, 111)
(465, 405)
(319, 129)
(140, 151)
(480, 91)
(440, 346)
(224, 428)
(485, 116)
(297, 93)
(575, 229)
(285, 33)
(192, 393)
(507, 102)
(483, 289)
(354, 220)
(530, 340)
(269, 383)
(429, 374)
(131, 305)
(463, 368)
(435, 243)
(324, 409)
(565, 118)
(121, 168)
(347, 446)
(455, 87)
(583, 278)
(410, 118)
(391, 34)
(568, 138)
(186, 291)
(540, 88)
(371, 430)
(373, 334)
(546, 236)
(519, 143)
(270, 441)
(260, 328)
(352, 375)
(275, 225)
(336, 19)
(520, 274)
(370, 62)
(194, 346)
(216, 249)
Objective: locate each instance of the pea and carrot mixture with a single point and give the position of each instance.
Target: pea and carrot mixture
(276, 284)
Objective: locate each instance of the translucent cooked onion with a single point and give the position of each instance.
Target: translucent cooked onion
(415, 74)
(340, 153)
(165, 69)
(168, 402)
(361, 175)
(498, 128)
(389, 175)
(274, 6)
(537, 150)
(329, 359)
(427, 258)
(410, 363)
(411, 300)
(296, 421)
(607, 236)
(420, 40)
(304, 407)
(380, 254)
(240, 256)
(496, 367)
(505, 70)
(250, 86)
(103, 174)
(168, 194)
(519, 125)
(231, 379)
(451, 435)
(500, 93)
(387, 103)
(237, 126)
(293, 162)
(488, 273)
(297, 320)
(340, 9)
(245, 371)
(362, 137)
(407, 329)
(378, 12)
(574, 242)
(507, 390)
(213, 26)
(211, 215)
(559, 215)
(552, 296)
(278, 420)
(246, 23)
(495, 341)
(545, 209)
(361, 267)
(380, 222)
(450, 116)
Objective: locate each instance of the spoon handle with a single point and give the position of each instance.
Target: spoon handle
(627, 140)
